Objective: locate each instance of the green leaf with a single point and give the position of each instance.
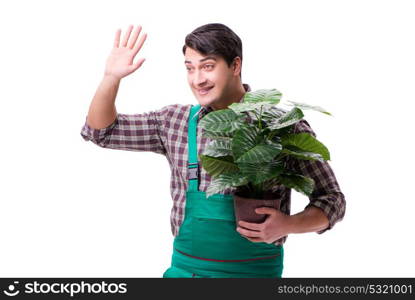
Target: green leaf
(260, 153)
(249, 106)
(307, 106)
(272, 96)
(244, 139)
(307, 143)
(260, 172)
(269, 114)
(279, 133)
(225, 181)
(300, 154)
(217, 148)
(224, 120)
(289, 118)
(216, 166)
(217, 135)
(246, 147)
(302, 184)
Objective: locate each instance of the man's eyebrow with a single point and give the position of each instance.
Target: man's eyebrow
(207, 58)
(202, 60)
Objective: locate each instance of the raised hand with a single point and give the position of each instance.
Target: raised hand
(120, 62)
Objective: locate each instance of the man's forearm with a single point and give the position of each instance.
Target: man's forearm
(309, 220)
(102, 111)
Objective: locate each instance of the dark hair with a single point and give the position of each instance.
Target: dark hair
(215, 38)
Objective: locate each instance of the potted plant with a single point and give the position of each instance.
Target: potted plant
(250, 143)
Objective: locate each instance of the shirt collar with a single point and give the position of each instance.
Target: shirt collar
(207, 109)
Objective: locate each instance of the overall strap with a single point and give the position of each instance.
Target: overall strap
(193, 166)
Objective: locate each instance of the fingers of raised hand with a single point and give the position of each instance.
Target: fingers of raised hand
(140, 43)
(132, 43)
(134, 37)
(117, 38)
(127, 36)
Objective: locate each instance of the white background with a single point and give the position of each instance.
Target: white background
(71, 208)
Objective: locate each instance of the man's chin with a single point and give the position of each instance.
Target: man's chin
(205, 102)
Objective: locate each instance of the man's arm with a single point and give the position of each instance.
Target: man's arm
(326, 197)
(310, 219)
(278, 224)
(133, 132)
(103, 125)
(102, 111)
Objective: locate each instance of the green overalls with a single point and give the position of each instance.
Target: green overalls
(208, 245)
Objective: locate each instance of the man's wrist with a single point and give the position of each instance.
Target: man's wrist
(292, 224)
(111, 79)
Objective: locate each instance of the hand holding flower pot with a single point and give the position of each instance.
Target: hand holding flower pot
(245, 208)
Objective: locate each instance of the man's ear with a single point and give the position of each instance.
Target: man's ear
(236, 65)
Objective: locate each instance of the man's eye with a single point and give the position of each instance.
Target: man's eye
(209, 67)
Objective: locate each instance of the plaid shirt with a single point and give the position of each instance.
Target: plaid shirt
(164, 131)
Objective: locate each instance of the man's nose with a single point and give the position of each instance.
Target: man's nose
(199, 79)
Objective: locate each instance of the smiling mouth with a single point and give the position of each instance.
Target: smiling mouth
(204, 91)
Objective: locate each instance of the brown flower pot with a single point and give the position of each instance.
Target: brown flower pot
(245, 208)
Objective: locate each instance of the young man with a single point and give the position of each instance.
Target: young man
(206, 243)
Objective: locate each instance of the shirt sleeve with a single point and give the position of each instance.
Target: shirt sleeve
(132, 132)
(327, 194)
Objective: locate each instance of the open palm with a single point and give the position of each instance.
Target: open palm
(120, 62)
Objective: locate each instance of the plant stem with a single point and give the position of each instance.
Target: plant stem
(260, 118)
(256, 115)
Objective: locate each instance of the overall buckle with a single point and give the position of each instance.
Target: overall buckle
(193, 171)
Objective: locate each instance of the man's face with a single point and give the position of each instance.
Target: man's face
(209, 77)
